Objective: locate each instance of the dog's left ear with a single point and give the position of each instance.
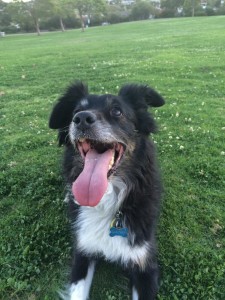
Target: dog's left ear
(140, 97)
(138, 93)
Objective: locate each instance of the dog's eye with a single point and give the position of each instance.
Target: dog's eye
(116, 112)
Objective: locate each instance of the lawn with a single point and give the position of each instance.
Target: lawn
(182, 58)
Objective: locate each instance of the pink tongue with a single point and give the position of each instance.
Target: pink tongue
(91, 185)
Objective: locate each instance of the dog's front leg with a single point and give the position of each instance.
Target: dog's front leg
(145, 283)
(81, 277)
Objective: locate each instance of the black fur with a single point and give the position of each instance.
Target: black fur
(137, 169)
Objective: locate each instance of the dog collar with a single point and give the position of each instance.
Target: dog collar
(116, 228)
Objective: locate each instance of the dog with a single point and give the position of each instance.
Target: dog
(113, 182)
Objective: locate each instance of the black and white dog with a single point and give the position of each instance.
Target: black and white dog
(113, 181)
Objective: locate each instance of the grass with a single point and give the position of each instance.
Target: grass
(182, 58)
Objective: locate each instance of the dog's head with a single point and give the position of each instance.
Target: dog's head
(103, 128)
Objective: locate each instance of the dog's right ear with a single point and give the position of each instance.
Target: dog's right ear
(62, 112)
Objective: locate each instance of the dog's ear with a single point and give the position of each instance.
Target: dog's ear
(62, 112)
(140, 97)
(138, 93)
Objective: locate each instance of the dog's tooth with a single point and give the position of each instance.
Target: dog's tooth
(111, 162)
(81, 140)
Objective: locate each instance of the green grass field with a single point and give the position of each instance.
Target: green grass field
(184, 59)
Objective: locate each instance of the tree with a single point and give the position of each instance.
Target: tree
(172, 5)
(190, 7)
(61, 9)
(87, 7)
(116, 13)
(142, 10)
(33, 10)
(17, 12)
(5, 18)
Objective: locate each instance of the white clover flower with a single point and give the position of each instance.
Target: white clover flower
(222, 152)
(12, 164)
(177, 114)
(181, 147)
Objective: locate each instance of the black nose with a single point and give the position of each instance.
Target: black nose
(84, 119)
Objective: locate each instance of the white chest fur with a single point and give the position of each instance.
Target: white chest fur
(93, 227)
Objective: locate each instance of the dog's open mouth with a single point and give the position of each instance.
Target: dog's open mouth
(116, 153)
(100, 161)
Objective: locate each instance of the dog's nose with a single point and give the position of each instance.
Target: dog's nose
(84, 119)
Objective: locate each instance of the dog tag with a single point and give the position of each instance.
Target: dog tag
(117, 228)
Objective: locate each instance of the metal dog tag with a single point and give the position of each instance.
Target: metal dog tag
(117, 228)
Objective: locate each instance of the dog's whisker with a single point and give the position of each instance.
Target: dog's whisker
(63, 129)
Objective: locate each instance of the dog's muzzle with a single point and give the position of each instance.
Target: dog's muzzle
(101, 154)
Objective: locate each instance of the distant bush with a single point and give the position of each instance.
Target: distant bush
(209, 11)
(9, 29)
(71, 22)
(221, 10)
(166, 13)
(50, 24)
(142, 11)
(114, 18)
(53, 23)
(96, 20)
(200, 12)
(115, 14)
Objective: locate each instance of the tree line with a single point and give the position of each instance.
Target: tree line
(40, 15)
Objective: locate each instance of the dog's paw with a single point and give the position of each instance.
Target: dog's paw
(77, 291)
